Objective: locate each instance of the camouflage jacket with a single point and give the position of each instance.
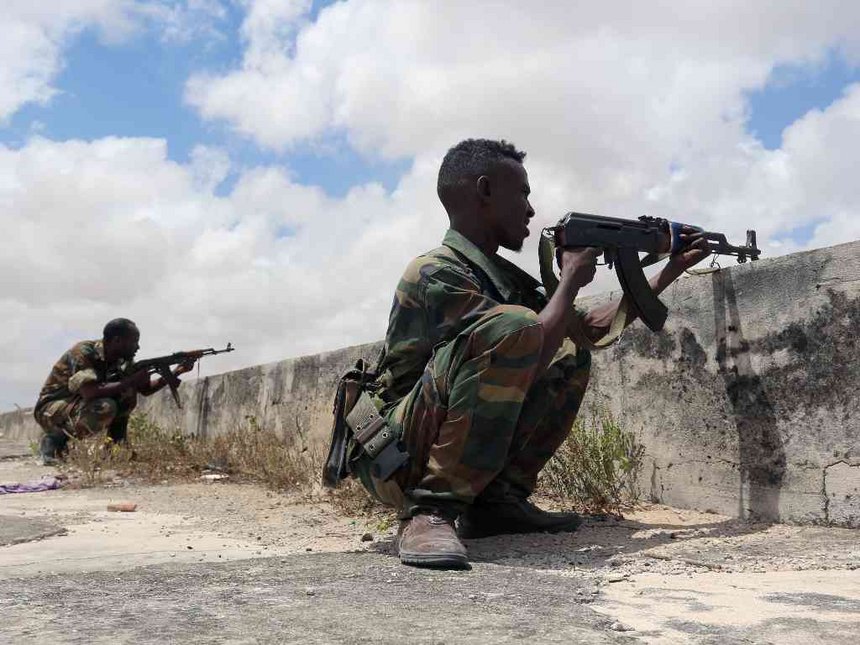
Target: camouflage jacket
(441, 293)
(83, 363)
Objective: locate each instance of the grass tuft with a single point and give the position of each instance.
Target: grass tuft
(153, 454)
(596, 468)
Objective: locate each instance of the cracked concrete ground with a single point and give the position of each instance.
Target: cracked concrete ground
(223, 562)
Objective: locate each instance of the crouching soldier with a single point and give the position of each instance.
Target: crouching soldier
(481, 376)
(93, 388)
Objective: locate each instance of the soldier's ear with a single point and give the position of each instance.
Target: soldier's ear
(482, 187)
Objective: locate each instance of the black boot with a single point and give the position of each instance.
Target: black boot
(512, 515)
(52, 447)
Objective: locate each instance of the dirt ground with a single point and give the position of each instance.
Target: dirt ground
(216, 561)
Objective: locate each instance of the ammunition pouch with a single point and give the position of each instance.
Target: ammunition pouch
(358, 428)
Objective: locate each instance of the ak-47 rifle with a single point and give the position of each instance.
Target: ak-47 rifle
(621, 241)
(161, 365)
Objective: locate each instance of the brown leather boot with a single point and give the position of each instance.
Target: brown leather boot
(429, 540)
(512, 515)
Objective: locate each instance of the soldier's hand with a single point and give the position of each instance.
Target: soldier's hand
(578, 264)
(695, 250)
(184, 367)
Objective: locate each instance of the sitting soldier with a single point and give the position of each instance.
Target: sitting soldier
(93, 388)
(481, 376)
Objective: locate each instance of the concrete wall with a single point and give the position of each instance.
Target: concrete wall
(19, 425)
(292, 396)
(747, 403)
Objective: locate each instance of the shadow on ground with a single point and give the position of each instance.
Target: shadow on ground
(598, 543)
(728, 545)
(317, 598)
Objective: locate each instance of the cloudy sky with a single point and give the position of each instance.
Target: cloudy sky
(260, 171)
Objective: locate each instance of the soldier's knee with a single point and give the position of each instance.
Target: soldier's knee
(505, 321)
(95, 416)
(571, 358)
(515, 314)
(44, 423)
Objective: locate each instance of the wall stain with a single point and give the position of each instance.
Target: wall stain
(644, 342)
(793, 386)
(306, 374)
(823, 370)
(761, 450)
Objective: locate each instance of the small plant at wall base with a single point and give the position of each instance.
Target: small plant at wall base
(155, 454)
(90, 460)
(596, 467)
(594, 470)
(250, 453)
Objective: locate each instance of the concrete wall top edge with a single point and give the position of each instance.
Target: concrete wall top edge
(845, 250)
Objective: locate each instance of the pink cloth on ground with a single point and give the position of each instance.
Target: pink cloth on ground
(45, 483)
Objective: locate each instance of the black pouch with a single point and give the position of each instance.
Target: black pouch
(357, 427)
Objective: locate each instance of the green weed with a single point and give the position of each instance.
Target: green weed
(596, 468)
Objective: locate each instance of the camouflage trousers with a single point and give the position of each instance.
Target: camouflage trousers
(479, 424)
(77, 418)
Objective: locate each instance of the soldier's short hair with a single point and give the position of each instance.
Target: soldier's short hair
(119, 328)
(472, 158)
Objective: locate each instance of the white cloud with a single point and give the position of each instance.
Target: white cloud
(403, 77)
(100, 229)
(184, 20)
(31, 38)
(624, 108)
(95, 230)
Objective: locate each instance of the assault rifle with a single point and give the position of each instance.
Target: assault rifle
(161, 365)
(621, 241)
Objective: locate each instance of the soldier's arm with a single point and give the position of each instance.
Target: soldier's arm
(577, 270)
(451, 300)
(598, 322)
(159, 383)
(93, 390)
(81, 363)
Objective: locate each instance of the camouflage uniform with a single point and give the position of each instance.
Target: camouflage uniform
(62, 412)
(458, 382)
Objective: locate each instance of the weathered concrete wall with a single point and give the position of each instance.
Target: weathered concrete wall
(746, 403)
(19, 425)
(293, 396)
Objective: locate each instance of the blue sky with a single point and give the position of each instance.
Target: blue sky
(791, 92)
(794, 90)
